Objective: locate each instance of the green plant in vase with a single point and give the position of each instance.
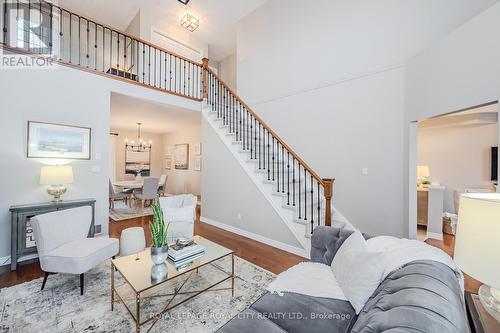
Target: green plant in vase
(159, 232)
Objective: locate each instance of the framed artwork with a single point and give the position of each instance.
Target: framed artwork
(138, 162)
(168, 162)
(197, 163)
(181, 156)
(197, 149)
(46, 140)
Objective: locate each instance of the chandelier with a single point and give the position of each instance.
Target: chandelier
(141, 145)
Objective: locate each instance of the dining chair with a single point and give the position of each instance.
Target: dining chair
(116, 196)
(149, 191)
(63, 246)
(163, 185)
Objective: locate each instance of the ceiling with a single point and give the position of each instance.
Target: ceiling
(218, 18)
(127, 111)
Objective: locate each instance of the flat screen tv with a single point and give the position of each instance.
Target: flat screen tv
(494, 163)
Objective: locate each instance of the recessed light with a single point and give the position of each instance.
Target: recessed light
(185, 2)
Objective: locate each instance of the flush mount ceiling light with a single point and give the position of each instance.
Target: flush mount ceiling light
(190, 22)
(185, 2)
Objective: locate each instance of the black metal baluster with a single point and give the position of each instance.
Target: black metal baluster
(293, 180)
(268, 158)
(118, 54)
(88, 56)
(288, 177)
(312, 203)
(184, 76)
(283, 169)
(143, 63)
(165, 74)
(300, 194)
(79, 41)
(95, 46)
(70, 36)
(305, 194)
(5, 30)
(278, 166)
(61, 33)
(274, 158)
(319, 205)
(149, 64)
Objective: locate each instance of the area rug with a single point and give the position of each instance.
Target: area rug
(60, 308)
(123, 212)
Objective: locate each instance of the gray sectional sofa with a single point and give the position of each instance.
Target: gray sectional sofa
(423, 296)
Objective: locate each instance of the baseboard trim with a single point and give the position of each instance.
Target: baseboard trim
(4, 261)
(256, 237)
(434, 235)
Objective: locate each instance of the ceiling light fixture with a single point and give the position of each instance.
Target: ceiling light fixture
(141, 145)
(185, 2)
(190, 22)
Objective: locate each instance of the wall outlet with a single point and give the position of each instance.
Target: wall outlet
(98, 229)
(97, 156)
(96, 169)
(239, 216)
(364, 171)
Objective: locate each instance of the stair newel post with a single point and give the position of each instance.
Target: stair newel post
(205, 78)
(328, 191)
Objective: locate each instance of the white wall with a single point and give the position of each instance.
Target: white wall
(329, 79)
(228, 71)
(228, 191)
(183, 181)
(458, 72)
(156, 151)
(457, 156)
(65, 96)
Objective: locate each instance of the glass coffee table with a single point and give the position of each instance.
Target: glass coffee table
(141, 283)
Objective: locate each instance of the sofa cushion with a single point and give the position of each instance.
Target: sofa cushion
(422, 296)
(301, 313)
(79, 256)
(326, 241)
(250, 321)
(358, 271)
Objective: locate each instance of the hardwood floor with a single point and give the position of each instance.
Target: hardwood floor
(265, 256)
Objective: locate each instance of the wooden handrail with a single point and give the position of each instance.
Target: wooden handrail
(301, 162)
(121, 33)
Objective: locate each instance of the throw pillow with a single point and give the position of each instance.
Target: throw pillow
(358, 271)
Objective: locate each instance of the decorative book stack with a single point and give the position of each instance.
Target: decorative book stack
(182, 256)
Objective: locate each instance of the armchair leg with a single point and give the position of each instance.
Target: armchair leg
(81, 284)
(45, 276)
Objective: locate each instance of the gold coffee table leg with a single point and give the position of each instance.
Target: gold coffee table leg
(138, 312)
(112, 287)
(232, 275)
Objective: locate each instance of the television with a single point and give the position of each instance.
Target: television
(494, 164)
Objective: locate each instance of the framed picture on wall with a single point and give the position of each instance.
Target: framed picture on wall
(47, 140)
(197, 163)
(168, 162)
(181, 156)
(197, 148)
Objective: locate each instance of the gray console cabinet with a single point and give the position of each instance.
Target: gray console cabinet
(20, 215)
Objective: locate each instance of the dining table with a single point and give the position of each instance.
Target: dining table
(136, 184)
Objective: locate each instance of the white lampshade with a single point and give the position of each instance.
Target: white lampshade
(56, 175)
(477, 243)
(423, 171)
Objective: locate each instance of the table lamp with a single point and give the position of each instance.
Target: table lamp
(422, 174)
(477, 245)
(56, 176)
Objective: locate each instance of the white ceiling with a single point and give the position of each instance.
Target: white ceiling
(127, 111)
(218, 18)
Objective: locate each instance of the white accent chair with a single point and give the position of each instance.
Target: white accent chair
(132, 240)
(63, 246)
(180, 212)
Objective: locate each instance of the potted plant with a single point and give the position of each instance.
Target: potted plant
(159, 231)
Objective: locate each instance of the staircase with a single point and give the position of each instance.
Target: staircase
(300, 196)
